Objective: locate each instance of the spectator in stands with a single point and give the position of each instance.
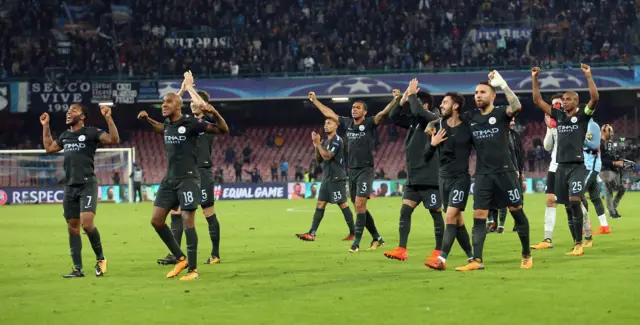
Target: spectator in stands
(380, 174)
(284, 169)
(271, 141)
(299, 175)
(218, 177)
(279, 141)
(246, 154)
(255, 175)
(402, 174)
(230, 155)
(274, 172)
(238, 168)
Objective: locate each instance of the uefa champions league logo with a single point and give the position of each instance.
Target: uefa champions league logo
(553, 79)
(359, 85)
(167, 87)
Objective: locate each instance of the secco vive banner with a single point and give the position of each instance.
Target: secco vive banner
(57, 97)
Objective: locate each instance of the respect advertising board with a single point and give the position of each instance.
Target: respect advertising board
(58, 97)
(31, 195)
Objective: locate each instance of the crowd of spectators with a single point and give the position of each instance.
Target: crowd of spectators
(147, 38)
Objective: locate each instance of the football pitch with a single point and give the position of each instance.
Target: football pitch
(267, 276)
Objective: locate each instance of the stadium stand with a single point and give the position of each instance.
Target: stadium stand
(136, 38)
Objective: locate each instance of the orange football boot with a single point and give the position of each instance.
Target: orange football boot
(400, 253)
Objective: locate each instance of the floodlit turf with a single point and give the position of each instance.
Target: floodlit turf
(268, 276)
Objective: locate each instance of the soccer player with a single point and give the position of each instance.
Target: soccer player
(201, 108)
(422, 180)
(181, 185)
(612, 174)
(572, 124)
(452, 141)
(593, 164)
(360, 131)
(550, 144)
(333, 189)
(517, 155)
(80, 201)
(496, 183)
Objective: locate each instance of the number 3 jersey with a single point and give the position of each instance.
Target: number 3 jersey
(79, 153)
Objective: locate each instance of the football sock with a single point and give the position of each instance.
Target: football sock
(522, 227)
(478, 234)
(570, 221)
(549, 222)
(599, 207)
(464, 241)
(75, 244)
(586, 224)
(192, 247)
(450, 232)
(317, 218)
(404, 226)
(576, 209)
(96, 244)
(503, 217)
(371, 226)
(361, 220)
(348, 218)
(438, 228)
(177, 228)
(492, 216)
(603, 220)
(167, 237)
(214, 234)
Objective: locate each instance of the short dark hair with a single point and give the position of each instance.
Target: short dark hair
(486, 83)
(204, 95)
(557, 96)
(85, 111)
(456, 98)
(364, 105)
(426, 98)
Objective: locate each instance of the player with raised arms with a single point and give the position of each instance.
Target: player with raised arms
(496, 184)
(80, 201)
(360, 131)
(201, 108)
(180, 186)
(572, 125)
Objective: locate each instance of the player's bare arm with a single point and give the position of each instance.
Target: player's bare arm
(415, 106)
(537, 97)
(324, 153)
(394, 102)
(112, 137)
(317, 157)
(47, 140)
(325, 110)
(157, 126)
(496, 80)
(220, 123)
(593, 90)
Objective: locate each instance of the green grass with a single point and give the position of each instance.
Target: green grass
(269, 277)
